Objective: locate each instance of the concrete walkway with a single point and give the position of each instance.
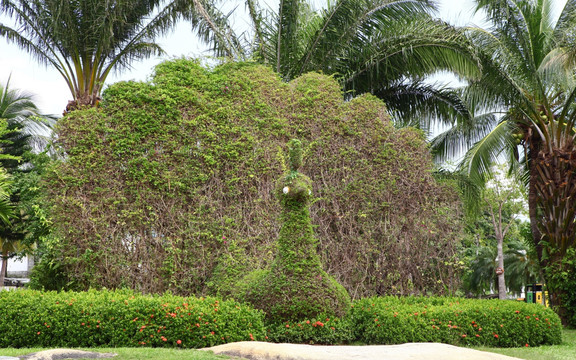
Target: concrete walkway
(415, 351)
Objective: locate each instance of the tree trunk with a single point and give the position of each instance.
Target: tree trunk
(3, 269)
(552, 201)
(501, 280)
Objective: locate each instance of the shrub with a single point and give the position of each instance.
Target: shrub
(319, 330)
(32, 318)
(464, 322)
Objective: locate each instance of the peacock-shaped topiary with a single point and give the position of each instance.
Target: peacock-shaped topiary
(295, 287)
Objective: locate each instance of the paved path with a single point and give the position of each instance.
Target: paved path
(255, 350)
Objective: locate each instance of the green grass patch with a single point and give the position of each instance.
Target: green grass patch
(564, 351)
(134, 353)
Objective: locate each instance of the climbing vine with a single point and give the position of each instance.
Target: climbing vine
(169, 185)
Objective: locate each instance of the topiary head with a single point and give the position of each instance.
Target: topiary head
(294, 188)
(295, 154)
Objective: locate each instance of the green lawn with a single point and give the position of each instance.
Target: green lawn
(565, 351)
(137, 353)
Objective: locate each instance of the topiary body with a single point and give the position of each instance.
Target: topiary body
(296, 287)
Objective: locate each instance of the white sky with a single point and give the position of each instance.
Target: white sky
(52, 94)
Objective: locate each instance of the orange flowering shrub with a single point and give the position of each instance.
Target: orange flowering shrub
(122, 318)
(463, 322)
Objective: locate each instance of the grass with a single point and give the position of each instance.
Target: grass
(136, 353)
(565, 351)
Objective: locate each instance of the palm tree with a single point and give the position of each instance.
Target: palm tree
(26, 127)
(84, 40)
(384, 47)
(525, 101)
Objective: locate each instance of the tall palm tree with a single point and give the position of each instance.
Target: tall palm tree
(384, 47)
(525, 101)
(84, 40)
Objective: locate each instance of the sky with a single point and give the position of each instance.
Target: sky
(51, 93)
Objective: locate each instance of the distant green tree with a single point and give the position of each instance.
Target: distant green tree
(23, 127)
(502, 195)
(496, 240)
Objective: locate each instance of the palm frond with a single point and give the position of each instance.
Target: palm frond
(478, 161)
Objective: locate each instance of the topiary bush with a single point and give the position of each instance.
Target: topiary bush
(172, 181)
(463, 322)
(30, 318)
(296, 287)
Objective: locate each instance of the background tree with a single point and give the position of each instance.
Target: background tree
(526, 97)
(502, 194)
(85, 40)
(383, 47)
(24, 129)
(497, 239)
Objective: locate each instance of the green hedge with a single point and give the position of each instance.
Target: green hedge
(463, 322)
(31, 318)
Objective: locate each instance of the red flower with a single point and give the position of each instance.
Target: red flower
(527, 345)
(496, 336)
(287, 325)
(178, 342)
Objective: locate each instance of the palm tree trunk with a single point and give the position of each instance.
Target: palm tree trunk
(553, 181)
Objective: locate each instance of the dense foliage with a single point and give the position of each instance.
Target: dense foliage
(126, 319)
(456, 321)
(122, 318)
(169, 185)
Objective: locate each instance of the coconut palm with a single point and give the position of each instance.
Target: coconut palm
(84, 40)
(525, 101)
(384, 47)
(26, 127)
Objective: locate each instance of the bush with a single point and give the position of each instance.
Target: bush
(463, 322)
(319, 330)
(32, 318)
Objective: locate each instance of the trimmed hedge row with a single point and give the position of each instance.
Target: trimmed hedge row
(122, 318)
(464, 322)
(31, 318)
